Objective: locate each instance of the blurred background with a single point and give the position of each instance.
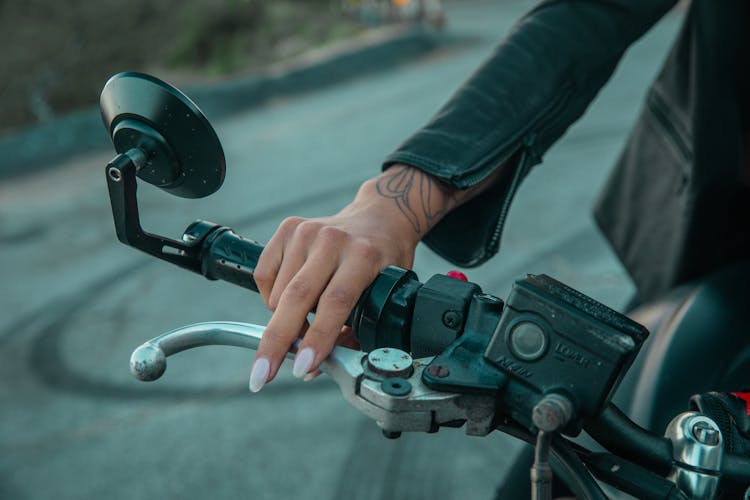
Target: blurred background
(307, 98)
(61, 52)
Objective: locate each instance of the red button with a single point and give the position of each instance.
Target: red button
(745, 396)
(457, 275)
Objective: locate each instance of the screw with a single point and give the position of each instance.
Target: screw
(115, 174)
(452, 319)
(705, 433)
(438, 371)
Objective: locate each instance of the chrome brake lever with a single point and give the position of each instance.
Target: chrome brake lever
(149, 361)
(396, 403)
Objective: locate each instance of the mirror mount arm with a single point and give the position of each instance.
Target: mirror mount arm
(121, 182)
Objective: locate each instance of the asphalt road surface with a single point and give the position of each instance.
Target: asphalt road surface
(75, 302)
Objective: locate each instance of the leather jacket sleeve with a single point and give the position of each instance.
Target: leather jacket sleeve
(536, 83)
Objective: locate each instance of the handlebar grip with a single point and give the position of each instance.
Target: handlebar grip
(229, 257)
(380, 318)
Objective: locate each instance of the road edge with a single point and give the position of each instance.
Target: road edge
(47, 144)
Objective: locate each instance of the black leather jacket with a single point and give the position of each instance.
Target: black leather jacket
(666, 209)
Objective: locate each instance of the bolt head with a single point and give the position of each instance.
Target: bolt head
(705, 433)
(452, 319)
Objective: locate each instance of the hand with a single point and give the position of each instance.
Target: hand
(326, 263)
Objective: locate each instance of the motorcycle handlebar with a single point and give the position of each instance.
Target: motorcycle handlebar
(229, 257)
(381, 316)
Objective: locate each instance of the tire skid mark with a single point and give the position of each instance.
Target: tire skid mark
(54, 307)
(61, 440)
(49, 366)
(48, 324)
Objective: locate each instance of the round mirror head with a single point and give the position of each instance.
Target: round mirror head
(184, 155)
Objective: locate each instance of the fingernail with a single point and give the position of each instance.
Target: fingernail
(303, 362)
(308, 377)
(259, 374)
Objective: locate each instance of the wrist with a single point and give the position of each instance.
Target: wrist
(409, 198)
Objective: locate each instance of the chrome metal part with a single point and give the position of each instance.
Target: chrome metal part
(706, 434)
(390, 362)
(148, 362)
(115, 174)
(422, 409)
(541, 471)
(552, 413)
(698, 450)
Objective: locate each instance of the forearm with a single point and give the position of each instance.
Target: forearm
(414, 200)
(536, 83)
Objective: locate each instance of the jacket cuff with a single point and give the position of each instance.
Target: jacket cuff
(537, 82)
(470, 234)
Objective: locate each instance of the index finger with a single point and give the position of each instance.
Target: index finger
(296, 301)
(334, 307)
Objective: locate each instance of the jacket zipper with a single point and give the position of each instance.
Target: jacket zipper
(512, 146)
(657, 107)
(524, 164)
(528, 158)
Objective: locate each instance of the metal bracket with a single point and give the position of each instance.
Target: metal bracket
(122, 184)
(421, 409)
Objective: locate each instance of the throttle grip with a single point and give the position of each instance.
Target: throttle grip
(380, 317)
(229, 257)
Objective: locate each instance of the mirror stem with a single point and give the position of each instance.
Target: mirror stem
(122, 183)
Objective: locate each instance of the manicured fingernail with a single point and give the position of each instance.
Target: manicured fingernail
(303, 362)
(259, 374)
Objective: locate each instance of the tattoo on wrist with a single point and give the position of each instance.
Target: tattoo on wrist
(422, 199)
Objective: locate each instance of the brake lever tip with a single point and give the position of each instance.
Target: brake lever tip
(148, 362)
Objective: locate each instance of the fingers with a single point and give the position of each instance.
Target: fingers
(308, 263)
(291, 265)
(345, 339)
(334, 306)
(271, 258)
(296, 300)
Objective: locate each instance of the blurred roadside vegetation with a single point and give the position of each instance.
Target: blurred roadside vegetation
(57, 55)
